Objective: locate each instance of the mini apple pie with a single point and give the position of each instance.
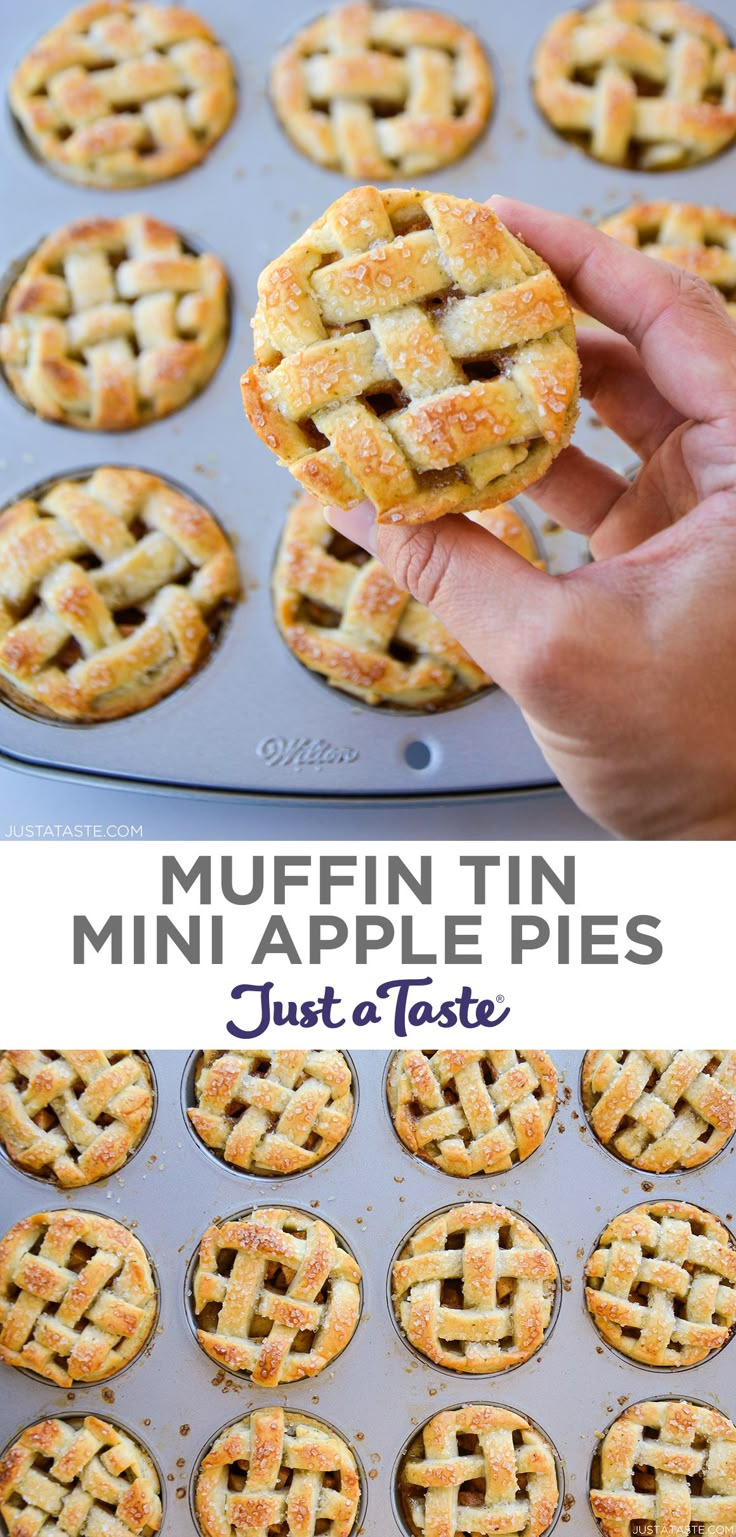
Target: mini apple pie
(112, 323)
(272, 1112)
(376, 92)
(479, 1468)
(77, 1297)
(73, 1116)
(661, 1111)
(278, 1471)
(697, 239)
(113, 587)
(123, 92)
(649, 84)
(276, 1295)
(472, 1112)
(473, 1289)
(75, 1475)
(661, 1284)
(668, 1468)
(411, 350)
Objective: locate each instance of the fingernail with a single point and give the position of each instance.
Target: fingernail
(357, 523)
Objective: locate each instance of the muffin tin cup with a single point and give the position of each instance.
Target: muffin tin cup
(75, 1419)
(191, 1317)
(466, 1379)
(104, 1385)
(377, 1392)
(396, 1503)
(644, 1366)
(189, 1102)
(639, 1529)
(650, 1175)
(458, 1179)
(358, 1526)
(48, 1180)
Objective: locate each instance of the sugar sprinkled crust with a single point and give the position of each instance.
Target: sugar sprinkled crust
(289, 1467)
(661, 1284)
(411, 350)
(661, 1110)
(377, 92)
(473, 1289)
(666, 1466)
(480, 1468)
(82, 1470)
(95, 1275)
(472, 1112)
(111, 589)
(276, 1295)
(73, 1116)
(645, 83)
(121, 93)
(272, 1112)
(112, 324)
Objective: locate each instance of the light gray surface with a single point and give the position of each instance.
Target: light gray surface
(378, 1391)
(248, 200)
(28, 799)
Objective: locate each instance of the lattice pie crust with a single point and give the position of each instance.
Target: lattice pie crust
(409, 349)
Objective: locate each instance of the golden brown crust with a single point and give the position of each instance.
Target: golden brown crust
(109, 591)
(472, 1112)
(695, 238)
(273, 1112)
(666, 1466)
(121, 93)
(112, 324)
(97, 1280)
(73, 1116)
(661, 1110)
(481, 1468)
(410, 350)
(473, 1289)
(293, 1466)
(276, 1295)
(428, 73)
(83, 1470)
(661, 1284)
(645, 83)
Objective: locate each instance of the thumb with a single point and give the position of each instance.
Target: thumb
(499, 607)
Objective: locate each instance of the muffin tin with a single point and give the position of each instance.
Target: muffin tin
(377, 1393)
(253, 720)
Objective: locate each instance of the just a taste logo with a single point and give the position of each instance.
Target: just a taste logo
(404, 1004)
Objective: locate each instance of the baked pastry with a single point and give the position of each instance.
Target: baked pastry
(411, 350)
(276, 1295)
(649, 84)
(73, 1116)
(79, 1475)
(278, 1471)
(661, 1110)
(113, 587)
(77, 1297)
(122, 92)
(377, 93)
(696, 239)
(661, 1284)
(272, 1112)
(666, 1467)
(480, 1468)
(113, 323)
(472, 1112)
(473, 1289)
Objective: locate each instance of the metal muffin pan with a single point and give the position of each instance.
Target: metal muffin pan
(253, 720)
(378, 1392)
